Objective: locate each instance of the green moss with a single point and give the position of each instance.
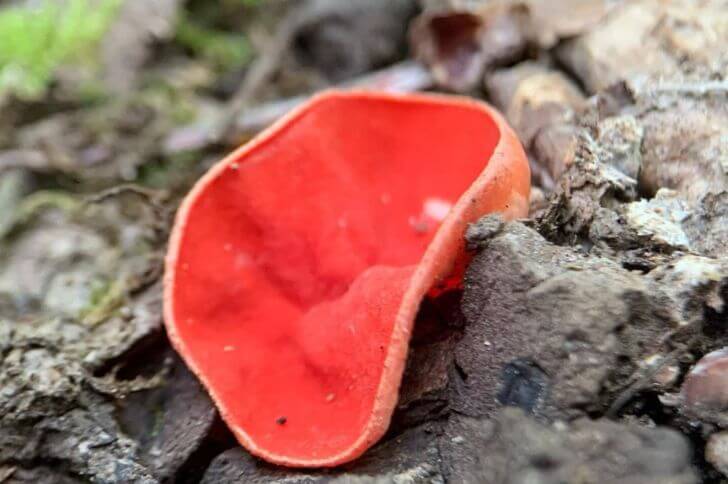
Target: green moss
(247, 3)
(27, 210)
(223, 49)
(171, 173)
(174, 102)
(37, 39)
(43, 199)
(105, 299)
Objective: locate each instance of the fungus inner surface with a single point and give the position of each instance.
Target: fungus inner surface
(293, 261)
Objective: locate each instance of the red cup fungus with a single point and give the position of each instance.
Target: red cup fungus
(297, 264)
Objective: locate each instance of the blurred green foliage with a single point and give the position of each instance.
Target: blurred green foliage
(36, 39)
(247, 3)
(224, 50)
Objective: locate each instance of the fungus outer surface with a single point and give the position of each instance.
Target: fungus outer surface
(297, 264)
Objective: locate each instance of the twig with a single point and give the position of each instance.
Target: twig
(261, 70)
(640, 383)
(633, 389)
(154, 196)
(696, 88)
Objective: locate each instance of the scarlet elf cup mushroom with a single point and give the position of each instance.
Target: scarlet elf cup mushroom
(297, 264)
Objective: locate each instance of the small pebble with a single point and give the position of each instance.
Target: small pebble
(716, 451)
(666, 376)
(706, 385)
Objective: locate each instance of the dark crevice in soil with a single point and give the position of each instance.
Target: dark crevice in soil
(144, 358)
(524, 384)
(708, 473)
(218, 441)
(461, 373)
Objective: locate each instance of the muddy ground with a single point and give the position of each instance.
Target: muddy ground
(573, 353)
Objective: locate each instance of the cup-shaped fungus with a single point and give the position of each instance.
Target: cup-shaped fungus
(297, 264)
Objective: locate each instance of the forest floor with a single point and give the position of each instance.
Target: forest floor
(572, 354)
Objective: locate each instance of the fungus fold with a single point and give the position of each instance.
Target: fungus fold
(297, 264)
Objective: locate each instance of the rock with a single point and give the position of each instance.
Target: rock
(343, 40)
(48, 413)
(423, 395)
(28, 271)
(622, 136)
(81, 274)
(659, 221)
(671, 220)
(551, 22)
(694, 292)
(666, 133)
(716, 451)
(554, 147)
(707, 225)
(588, 190)
(538, 202)
(534, 96)
(236, 465)
(61, 324)
(685, 145)
(170, 421)
(540, 103)
(688, 216)
(666, 376)
(514, 448)
(37, 475)
(565, 313)
(479, 234)
(571, 316)
(411, 457)
(704, 393)
(462, 448)
(649, 38)
(629, 54)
